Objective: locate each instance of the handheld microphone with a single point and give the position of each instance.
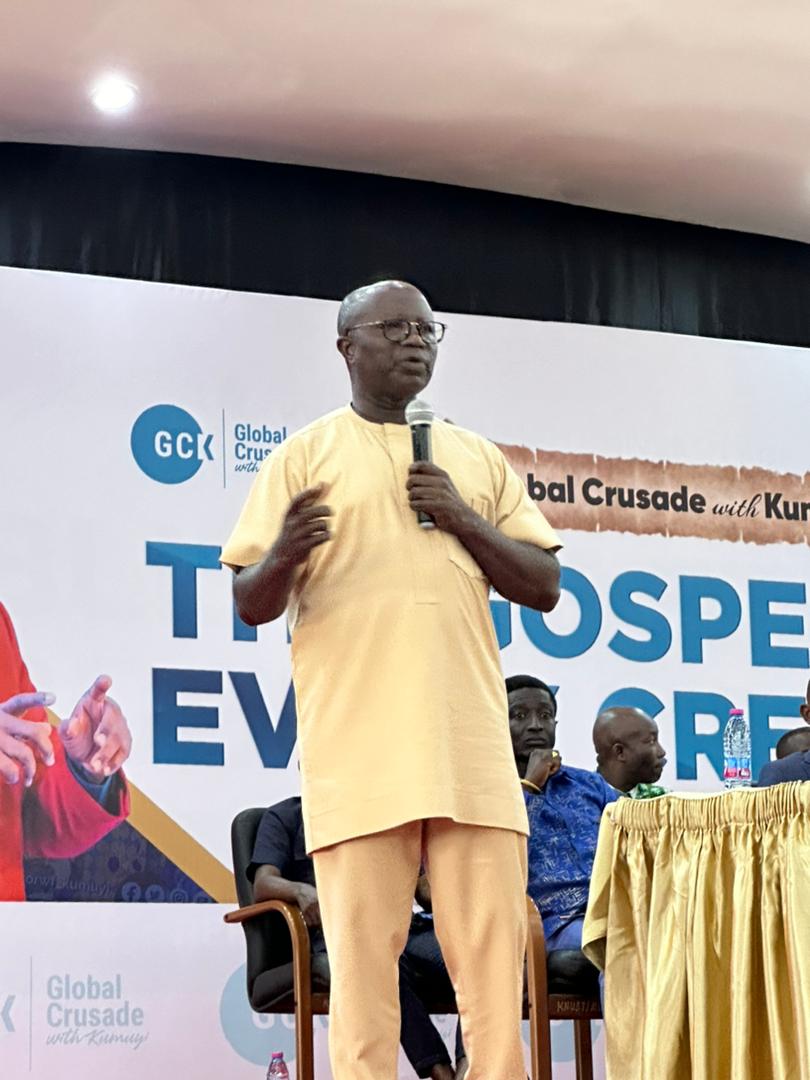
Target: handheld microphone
(419, 418)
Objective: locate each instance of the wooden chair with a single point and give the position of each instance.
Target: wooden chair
(279, 978)
(565, 987)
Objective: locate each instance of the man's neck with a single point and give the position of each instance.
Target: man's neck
(379, 412)
(614, 778)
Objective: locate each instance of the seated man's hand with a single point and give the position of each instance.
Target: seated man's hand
(96, 735)
(307, 899)
(543, 763)
(23, 743)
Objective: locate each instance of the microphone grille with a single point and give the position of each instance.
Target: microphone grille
(418, 412)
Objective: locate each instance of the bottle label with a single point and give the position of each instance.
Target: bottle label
(731, 771)
(744, 772)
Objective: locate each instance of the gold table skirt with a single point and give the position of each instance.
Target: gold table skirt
(699, 915)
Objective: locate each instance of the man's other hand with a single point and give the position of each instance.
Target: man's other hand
(306, 526)
(96, 735)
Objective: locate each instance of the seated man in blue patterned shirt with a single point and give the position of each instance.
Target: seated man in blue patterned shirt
(565, 808)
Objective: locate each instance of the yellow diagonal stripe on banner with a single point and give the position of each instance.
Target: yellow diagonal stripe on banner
(180, 847)
(175, 843)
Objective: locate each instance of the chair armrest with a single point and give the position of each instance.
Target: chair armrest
(302, 977)
(291, 912)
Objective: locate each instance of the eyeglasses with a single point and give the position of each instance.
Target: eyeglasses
(398, 330)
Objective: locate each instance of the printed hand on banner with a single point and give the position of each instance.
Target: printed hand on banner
(431, 489)
(96, 735)
(24, 743)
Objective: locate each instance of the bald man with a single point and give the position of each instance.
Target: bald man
(628, 753)
(402, 715)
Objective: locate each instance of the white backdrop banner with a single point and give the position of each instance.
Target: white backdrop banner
(143, 990)
(135, 417)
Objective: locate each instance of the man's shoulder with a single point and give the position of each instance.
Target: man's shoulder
(583, 776)
(314, 431)
(287, 810)
(793, 767)
(464, 437)
(587, 781)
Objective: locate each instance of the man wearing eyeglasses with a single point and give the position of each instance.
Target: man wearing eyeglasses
(402, 717)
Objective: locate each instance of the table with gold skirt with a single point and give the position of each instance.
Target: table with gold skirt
(699, 915)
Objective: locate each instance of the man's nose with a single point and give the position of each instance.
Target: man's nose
(414, 337)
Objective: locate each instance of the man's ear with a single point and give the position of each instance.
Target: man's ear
(618, 751)
(804, 711)
(345, 348)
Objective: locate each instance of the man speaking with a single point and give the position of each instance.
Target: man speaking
(402, 718)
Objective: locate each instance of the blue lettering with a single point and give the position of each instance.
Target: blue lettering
(765, 623)
(695, 628)
(168, 716)
(275, 745)
(502, 618)
(645, 618)
(566, 646)
(185, 560)
(633, 697)
(241, 630)
(689, 744)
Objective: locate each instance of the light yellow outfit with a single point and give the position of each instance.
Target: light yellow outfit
(402, 713)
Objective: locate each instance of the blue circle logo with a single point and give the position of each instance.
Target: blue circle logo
(168, 444)
(253, 1037)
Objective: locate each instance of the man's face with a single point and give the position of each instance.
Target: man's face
(389, 371)
(532, 722)
(642, 754)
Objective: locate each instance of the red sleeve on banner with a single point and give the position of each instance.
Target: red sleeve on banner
(60, 818)
(55, 817)
(14, 678)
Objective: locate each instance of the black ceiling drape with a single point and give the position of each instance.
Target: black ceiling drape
(245, 225)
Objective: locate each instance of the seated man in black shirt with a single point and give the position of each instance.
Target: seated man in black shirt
(282, 870)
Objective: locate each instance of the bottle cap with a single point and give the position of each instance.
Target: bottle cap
(736, 712)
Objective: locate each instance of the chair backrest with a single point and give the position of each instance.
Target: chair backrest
(269, 948)
(243, 839)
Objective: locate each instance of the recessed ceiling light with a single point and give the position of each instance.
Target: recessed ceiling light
(113, 94)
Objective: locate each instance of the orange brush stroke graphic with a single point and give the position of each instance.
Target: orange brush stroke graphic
(716, 502)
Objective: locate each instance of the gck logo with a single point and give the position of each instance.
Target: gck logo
(169, 445)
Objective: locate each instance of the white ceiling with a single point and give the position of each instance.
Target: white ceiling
(694, 110)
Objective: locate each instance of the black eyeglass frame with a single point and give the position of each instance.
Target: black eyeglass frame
(417, 323)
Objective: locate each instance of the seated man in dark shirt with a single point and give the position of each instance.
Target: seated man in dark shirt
(565, 807)
(792, 759)
(282, 870)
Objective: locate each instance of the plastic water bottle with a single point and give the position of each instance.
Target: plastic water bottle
(737, 750)
(278, 1068)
